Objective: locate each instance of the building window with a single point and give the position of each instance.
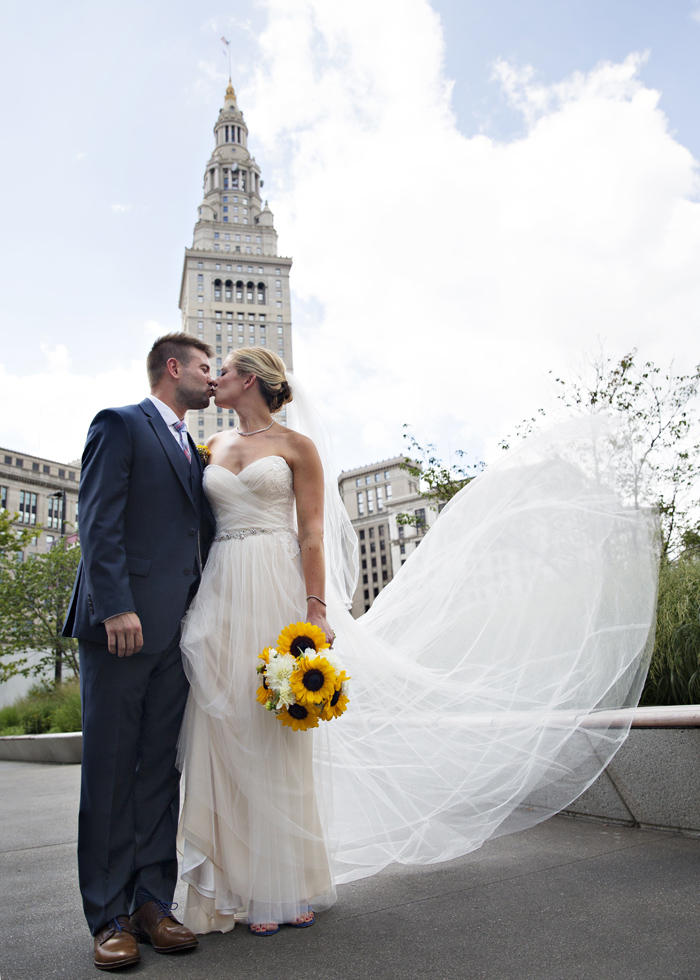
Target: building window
(27, 507)
(362, 534)
(388, 490)
(360, 503)
(365, 579)
(386, 474)
(200, 265)
(3, 498)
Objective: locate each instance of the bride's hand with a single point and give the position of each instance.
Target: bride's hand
(316, 615)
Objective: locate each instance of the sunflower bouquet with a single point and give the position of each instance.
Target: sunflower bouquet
(303, 681)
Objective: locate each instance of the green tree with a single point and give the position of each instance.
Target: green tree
(658, 447)
(438, 481)
(34, 596)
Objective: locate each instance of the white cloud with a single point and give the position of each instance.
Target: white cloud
(121, 207)
(47, 412)
(452, 272)
(436, 277)
(80, 156)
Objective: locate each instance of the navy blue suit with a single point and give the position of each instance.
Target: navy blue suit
(145, 529)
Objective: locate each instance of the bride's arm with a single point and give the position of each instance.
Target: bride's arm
(308, 489)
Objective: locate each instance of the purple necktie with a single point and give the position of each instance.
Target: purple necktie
(182, 432)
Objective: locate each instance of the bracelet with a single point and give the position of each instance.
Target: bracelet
(315, 597)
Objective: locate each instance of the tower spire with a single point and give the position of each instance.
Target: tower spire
(235, 285)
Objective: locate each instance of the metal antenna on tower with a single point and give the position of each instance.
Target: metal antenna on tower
(227, 52)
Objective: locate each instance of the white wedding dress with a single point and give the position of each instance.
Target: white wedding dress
(478, 679)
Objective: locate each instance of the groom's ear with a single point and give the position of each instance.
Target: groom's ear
(173, 367)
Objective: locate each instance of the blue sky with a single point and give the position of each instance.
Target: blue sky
(541, 209)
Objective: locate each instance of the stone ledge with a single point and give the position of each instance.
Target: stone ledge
(65, 747)
(652, 782)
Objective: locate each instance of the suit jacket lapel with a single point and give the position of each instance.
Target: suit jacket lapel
(176, 456)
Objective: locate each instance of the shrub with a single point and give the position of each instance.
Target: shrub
(674, 674)
(46, 708)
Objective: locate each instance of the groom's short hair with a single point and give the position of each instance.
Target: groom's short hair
(179, 345)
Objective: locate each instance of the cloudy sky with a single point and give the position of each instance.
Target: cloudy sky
(474, 194)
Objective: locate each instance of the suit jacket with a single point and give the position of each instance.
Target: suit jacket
(145, 526)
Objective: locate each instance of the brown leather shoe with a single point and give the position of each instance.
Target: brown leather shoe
(115, 945)
(154, 923)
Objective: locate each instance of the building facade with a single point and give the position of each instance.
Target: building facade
(43, 494)
(374, 496)
(235, 287)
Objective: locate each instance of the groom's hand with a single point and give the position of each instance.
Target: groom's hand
(124, 635)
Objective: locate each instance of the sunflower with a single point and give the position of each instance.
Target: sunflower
(313, 681)
(263, 694)
(298, 718)
(336, 705)
(265, 655)
(298, 637)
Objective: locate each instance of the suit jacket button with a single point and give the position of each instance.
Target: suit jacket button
(192, 531)
(186, 571)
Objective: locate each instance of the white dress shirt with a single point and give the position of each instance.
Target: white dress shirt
(169, 417)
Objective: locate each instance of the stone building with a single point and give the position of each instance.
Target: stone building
(43, 494)
(373, 496)
(235, 287)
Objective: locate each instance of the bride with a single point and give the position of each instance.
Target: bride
(478, 675)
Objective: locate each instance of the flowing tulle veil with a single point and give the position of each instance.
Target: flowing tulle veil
(480, 672)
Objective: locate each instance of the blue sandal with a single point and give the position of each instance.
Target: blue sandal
(303, 925)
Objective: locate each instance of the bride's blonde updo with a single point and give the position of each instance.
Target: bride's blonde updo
(269, 369)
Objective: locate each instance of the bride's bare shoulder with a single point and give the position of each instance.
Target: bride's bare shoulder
(300, 448)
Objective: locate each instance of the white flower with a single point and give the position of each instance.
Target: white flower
(280, 669)
(285, 695)
(345, 688)
(333, 659)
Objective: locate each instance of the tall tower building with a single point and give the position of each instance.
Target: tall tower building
(235, 287)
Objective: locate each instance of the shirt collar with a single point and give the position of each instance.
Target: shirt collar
(166, 412)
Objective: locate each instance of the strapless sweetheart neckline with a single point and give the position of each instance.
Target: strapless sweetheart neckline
(218, 466)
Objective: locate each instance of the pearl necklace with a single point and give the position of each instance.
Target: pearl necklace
(256, 430)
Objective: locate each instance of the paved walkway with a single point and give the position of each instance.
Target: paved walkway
(568, 900)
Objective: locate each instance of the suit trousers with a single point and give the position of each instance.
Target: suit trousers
(130, 786)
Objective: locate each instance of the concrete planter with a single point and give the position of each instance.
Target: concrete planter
(65, 747)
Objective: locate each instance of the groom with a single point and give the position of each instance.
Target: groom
(145, 529)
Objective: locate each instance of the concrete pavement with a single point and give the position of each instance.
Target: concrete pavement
(568, 900)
